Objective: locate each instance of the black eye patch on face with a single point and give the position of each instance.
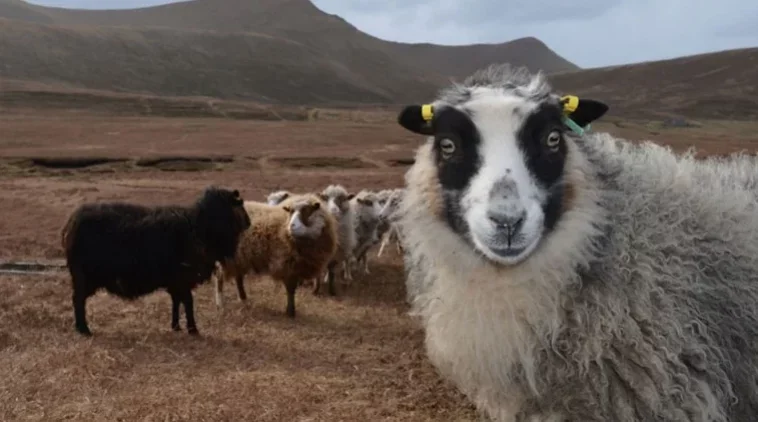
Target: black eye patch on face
(545, 164)
(455, 172)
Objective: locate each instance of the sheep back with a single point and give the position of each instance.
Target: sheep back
(267, 247)
(132, 250)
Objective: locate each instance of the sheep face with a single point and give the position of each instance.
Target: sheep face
(306, 219)
(337, 200)
(499, 156)
(221, 219)
(369, 201)
(276, 198)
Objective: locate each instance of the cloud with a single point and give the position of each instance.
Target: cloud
(589, 33)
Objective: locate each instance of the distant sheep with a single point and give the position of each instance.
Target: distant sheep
(290, 242)
(132, 250)
(388, 230)
(275, 198)
(367, 208)
(338, 204)
(566, 276)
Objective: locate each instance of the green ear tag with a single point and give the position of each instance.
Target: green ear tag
(575, 127)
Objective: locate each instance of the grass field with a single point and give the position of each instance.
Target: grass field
(358, 356)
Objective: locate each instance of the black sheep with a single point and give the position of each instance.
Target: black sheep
(132, 250)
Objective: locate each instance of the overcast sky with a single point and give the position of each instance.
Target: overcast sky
(589, 33)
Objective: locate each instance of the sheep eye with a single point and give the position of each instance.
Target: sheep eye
(553, 140)
(447, 147)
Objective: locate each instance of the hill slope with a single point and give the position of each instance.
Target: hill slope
(269, 50)
(302, 21)
(714, 85)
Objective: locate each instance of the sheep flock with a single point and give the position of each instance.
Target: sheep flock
(559, 274)
(132, 250)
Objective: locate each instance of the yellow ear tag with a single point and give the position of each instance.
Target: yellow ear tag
(427, 112)
(570, 103)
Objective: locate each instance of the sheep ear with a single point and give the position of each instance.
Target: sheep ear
(236, 193)
(417, 118)
(350, 196)
(587, 111)
(287, 208)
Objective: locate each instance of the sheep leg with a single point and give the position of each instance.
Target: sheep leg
(189, 312)
(175, 301)
(317, 284)
(382, 245)
(330, 277)
(291, 286)
(219, 281)
(241, 287)
(81, 291)
(80, 313)
(363, 260)
(347, 274)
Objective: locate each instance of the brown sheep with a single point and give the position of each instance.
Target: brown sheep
(290, 242)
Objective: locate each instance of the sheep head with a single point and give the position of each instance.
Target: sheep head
(306, 218)
(337, 199)
(495, 158)
(277, 197)
(221, 218)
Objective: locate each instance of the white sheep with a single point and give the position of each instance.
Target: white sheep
(337, 201)
(388, 231)
(276, 197)
(367, 209)
(561, 275)
(290, 242)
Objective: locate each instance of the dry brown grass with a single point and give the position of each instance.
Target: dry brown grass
(354, 357)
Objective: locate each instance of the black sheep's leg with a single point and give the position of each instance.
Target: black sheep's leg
(189, 312)
(80, 312)
(175, 302)
(81, 292)
(291, 286)
(241, 287)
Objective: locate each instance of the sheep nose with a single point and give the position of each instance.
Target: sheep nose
(512, 222)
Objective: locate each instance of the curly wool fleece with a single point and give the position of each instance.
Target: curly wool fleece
(651, 316)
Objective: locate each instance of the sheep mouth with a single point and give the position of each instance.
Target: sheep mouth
(504, 253)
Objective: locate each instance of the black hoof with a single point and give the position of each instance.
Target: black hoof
(193, 331)
(176, 327)
(83, 330)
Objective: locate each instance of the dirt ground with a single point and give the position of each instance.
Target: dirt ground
(358, 356)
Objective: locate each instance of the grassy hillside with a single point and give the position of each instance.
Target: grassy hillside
(721, 85)
(289, 51)
(265, 50)
(169, 62)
